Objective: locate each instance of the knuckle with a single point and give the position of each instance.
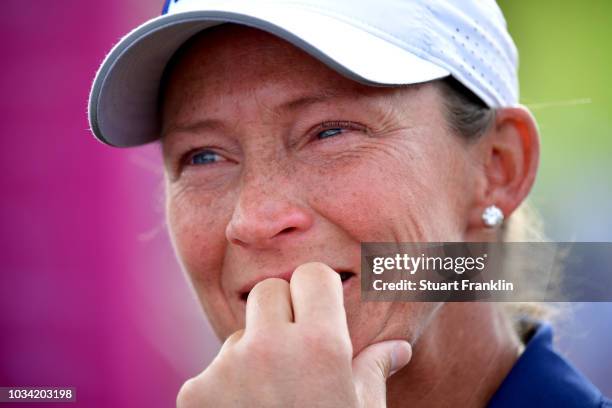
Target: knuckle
(188, 394)
(235, 336)
(259, 346)
(327, 347)
(203, 389)
(265, 354)
(231, 340)
(382, 367)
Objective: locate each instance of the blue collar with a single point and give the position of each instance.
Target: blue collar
(542, 378)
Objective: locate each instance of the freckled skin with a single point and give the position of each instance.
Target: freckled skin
(280, 197)
(330, 188)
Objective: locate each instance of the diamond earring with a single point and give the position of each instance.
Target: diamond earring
(492, 216)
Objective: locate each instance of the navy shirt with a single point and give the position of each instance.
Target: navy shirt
(542, 378)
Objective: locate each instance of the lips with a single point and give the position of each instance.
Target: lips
(345, 276)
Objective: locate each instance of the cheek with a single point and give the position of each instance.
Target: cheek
(195, 235)
(405, 194)
(408, 195)
(197, 230)
(373, 322)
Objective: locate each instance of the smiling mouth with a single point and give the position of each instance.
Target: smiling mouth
(345, 276)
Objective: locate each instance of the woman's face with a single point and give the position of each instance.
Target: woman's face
(274, 160)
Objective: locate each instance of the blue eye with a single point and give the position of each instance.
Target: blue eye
(329, 133)
(205, 157)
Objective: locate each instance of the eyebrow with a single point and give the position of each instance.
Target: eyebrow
(198, 125)
(307, 100)
(288, 106)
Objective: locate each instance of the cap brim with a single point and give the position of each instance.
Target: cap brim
(124, 98)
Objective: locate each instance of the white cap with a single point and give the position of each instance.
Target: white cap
(374, 42)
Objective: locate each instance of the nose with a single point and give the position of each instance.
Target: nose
(264, 218)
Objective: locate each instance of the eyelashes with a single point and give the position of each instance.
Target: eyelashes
(338, 125)
(211, 155)
(206, 156)
(200, 157)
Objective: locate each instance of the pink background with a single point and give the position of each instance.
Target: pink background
(90, 293)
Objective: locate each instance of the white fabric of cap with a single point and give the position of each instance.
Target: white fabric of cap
(378, 43)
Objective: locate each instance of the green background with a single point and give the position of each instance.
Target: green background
(565, 50)
(565, 73)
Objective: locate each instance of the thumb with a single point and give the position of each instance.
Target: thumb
(374, 365)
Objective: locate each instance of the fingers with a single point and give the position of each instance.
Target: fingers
(316, 294)
(269, 304)
(374, 365)
(231, 340)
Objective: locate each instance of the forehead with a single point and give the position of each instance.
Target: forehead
(232, 59)
(238, 75)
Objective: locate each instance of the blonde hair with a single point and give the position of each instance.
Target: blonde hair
(525, 225)
(470, 118)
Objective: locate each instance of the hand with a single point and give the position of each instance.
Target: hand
(296, 351)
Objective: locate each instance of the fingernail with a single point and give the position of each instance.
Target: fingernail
(400, 356)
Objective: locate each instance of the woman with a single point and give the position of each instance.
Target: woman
(321, 126)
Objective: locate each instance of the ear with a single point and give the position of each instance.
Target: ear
(509, 154)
